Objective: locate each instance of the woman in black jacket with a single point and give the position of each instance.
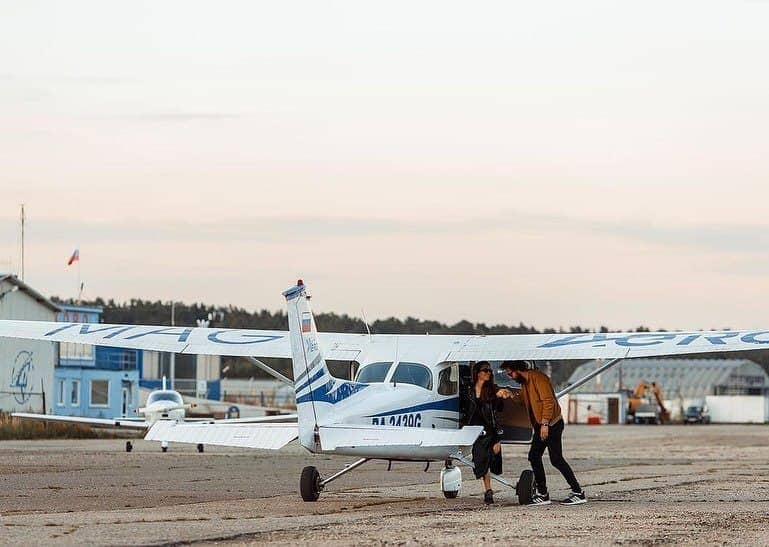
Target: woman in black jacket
(482, 400)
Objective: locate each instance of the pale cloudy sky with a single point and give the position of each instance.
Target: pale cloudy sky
(555, 163)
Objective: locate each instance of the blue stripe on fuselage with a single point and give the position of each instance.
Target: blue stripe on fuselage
(327, 394)
(443, 404)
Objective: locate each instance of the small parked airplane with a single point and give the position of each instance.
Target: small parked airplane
(403, 404)
(162, 404)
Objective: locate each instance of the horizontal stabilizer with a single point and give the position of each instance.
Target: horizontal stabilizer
(94, 422)
(357, 436)
(266, 436)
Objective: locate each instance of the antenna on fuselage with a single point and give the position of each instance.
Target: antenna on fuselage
(368, 330)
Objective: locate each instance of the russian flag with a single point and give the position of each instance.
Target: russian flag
(74, 258)
(306, 323)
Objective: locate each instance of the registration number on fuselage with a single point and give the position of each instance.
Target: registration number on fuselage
(405, 420)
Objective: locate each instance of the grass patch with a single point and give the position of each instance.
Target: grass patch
(14, 429)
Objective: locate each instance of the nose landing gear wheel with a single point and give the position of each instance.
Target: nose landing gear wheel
(128, 446)
(525, 487)
(164, 448)
(309, 484)
(200, 447)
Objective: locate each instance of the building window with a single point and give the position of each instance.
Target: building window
(75, 352)
(62, 392)
(99, 393)
(75, 394)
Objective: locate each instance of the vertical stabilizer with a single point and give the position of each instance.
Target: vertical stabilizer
(319, 396)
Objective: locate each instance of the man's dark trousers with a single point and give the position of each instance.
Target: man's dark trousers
(555, 450)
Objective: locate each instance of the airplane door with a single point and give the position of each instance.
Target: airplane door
(516, 426)
(124, 401)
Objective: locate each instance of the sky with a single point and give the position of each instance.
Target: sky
(560, 163)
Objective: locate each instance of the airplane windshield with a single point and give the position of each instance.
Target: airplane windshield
(375, 372)
(156, 396)
(413, 373)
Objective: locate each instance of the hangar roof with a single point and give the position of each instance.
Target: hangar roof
(680, 377)
(13, 280)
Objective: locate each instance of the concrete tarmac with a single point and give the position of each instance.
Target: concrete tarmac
(702, 485)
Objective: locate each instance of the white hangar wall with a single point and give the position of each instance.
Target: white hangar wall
(26, 366)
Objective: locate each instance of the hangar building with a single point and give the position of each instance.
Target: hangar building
(26, 366)
(683, 382)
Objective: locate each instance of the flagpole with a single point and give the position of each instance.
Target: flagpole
(79, 282)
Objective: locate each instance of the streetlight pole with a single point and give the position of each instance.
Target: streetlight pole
(172, 367)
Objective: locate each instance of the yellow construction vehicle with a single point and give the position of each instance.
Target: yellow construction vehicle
(646, 405)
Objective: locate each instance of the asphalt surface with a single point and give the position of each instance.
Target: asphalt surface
(646, 485)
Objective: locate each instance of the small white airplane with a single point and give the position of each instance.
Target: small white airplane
(162, 404)
(403, 404)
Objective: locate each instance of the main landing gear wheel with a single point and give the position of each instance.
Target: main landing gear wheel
(451, 495)
(200, 448)
(309, 484)
(128, 446)
(525, 487)
(164, 448)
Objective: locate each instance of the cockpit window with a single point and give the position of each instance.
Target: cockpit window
(413, 373)
(156, 396)
(375, 372)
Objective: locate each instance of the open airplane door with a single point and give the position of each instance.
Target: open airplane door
(515, 420)
(516, 426)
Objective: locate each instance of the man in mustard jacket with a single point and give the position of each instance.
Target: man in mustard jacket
(545, 416)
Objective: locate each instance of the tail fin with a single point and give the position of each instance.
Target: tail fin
(317, 392)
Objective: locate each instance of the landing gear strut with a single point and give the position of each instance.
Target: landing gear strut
(311, 483)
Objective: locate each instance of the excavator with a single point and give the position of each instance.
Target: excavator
(646, 406)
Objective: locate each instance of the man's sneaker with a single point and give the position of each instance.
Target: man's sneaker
(488, 497)
(575, 498)
(540, 499)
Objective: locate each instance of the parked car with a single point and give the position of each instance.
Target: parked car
(697, 415)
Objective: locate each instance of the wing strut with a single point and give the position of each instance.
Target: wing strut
(271, 371)
(469, 463)
(587, 377)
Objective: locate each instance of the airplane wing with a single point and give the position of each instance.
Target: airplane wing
(351, 435)
(94, 422)
(193, 340)
(265, 436)
(606, 345)
(345, 346)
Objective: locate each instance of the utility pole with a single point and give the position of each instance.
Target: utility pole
(172, 368)
(22, 242)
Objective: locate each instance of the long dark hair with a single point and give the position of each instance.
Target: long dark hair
(489, 389)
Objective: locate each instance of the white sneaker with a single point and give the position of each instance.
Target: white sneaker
(540, 499)
(576, 498)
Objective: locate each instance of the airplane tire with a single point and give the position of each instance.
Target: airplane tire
(200, 448)
(309, 484)
(451, 494)
(525, 487)
(164, 448)
(128, 446)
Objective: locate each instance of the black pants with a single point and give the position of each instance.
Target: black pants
(555, 450)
